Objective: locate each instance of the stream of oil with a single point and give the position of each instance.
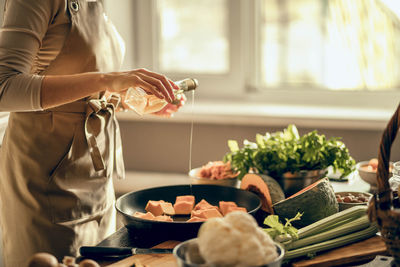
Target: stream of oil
(191, 141)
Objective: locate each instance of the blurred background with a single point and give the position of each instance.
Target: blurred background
(331, 65)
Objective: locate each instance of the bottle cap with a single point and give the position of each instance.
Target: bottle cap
(188, 84)
(194, 84)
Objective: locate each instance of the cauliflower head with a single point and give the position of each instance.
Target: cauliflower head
(242, 221)
(235, 240)
(218, 242)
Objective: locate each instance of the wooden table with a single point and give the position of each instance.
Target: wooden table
(356, 253)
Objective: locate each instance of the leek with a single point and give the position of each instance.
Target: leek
(333, 243)
(344, 229)
(332, 221)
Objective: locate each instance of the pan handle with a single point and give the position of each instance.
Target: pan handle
(88, 251)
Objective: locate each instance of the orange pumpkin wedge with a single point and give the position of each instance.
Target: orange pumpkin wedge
(266, 187)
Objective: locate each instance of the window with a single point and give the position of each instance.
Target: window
(192, 43)
(335, 52)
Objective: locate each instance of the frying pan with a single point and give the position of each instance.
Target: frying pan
(179, 229)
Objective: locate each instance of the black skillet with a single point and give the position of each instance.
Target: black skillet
(179, 229)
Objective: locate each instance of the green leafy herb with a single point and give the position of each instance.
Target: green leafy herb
(278, 229)
(287, 151)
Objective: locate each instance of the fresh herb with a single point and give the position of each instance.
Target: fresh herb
(287, 151)
(279, 230)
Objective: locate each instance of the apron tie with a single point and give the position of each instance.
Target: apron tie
(100, 118)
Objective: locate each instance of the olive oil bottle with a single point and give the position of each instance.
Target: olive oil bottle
(142, 103)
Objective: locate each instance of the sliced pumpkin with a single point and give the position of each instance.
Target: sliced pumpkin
(316, 202)
(266, 187)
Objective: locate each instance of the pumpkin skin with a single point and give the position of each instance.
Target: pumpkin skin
(316, 202)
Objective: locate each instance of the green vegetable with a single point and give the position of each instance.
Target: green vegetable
(338, 231)
(334, 220)
(332, 243)
(287, 151)
(278, 229)
(342, 228)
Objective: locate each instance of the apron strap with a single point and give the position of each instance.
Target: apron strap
(100, 112)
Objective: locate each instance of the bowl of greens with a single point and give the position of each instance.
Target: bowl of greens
(294, 160)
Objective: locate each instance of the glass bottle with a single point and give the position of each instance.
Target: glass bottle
(142, 103)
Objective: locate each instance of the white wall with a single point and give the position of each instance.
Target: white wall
(164, 146)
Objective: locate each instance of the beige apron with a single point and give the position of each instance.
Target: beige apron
(56, 166)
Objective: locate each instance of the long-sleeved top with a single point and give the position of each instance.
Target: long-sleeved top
(28, 44)
(33, 34)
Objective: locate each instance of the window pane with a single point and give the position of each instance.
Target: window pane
(304, 47)
(363, 52)
(271, 50)
(292, 42)
(335, 44)
(193, 36)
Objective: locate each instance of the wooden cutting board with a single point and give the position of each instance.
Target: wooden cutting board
(153, 260)
(361, 251)
(354, 253)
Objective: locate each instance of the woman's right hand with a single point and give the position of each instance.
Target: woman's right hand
(151, 82)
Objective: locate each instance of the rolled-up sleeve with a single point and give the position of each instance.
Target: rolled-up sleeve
(25, 24)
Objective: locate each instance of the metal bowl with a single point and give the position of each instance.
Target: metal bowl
(187, 255)
(292, 183)
(195, 179)
(179, 229)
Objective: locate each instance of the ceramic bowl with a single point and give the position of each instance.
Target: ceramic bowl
(187, 255)
(365, 197)
(196, 179)
(369, 176)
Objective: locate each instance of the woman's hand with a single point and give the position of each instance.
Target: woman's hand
(151, 82)
(169, 110)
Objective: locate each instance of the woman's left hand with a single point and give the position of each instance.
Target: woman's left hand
(169, 110)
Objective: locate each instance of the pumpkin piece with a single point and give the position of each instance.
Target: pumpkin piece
(189, 198)
(206, 213)
(199, 213)
(184, 204)
(196, 219)
(147, 215)
(154, 207)
(163, 218)
(225, 205)
(167, 208)
(316, 202)
(266, 187)
(203, 204)
(230, 209)
(160, 207)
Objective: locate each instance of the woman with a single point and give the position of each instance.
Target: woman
(62, 144)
